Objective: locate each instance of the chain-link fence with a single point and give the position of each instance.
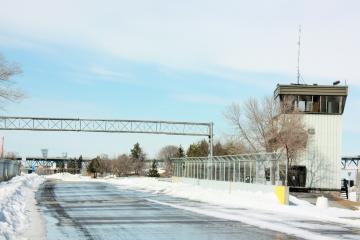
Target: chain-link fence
(9, 169)
(260, 168)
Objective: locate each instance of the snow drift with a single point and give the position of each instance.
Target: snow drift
(14, 196)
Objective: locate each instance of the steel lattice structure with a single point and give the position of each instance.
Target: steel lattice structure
(109, 126)
(48, 162)
(106, 125)
(350, 161)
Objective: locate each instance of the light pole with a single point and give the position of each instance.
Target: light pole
(211, 143)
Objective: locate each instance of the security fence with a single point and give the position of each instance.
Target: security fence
(259, 168)
(9, 168)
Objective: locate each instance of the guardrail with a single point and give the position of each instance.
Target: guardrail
(8, 169)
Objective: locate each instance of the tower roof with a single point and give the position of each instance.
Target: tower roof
(304, 89)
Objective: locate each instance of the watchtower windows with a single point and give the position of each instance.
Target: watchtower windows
(321, 99)
(313, 104)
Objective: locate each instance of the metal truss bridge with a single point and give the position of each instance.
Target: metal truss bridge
(49, 162)
(108, 126)
(352, 161)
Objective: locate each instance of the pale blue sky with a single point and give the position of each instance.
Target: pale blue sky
(169, 61)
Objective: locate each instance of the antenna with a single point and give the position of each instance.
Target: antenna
(298, 57)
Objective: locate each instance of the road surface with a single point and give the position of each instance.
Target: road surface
(94, 210)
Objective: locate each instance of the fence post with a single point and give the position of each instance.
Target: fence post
(256, 171)
(185, 169)
(197, 170)
(250, 180)
(215, 165)
(239, 162)
(224, 171)
(244, 172)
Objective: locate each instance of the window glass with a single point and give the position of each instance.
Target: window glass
(323, 104)
(301, 106)
(316, 104)
(305, 103)
(333, 104)
(342, 104)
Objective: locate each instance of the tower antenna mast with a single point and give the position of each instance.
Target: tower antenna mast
(298, 57)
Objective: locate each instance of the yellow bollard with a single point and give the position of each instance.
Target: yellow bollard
(282, 193)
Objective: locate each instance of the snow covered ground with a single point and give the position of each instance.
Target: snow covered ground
(260, 209)
(299, 218)
(17, 205)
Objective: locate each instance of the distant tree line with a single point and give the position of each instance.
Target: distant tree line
(123, 165)
(134, 163)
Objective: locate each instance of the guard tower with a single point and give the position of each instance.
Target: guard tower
(322, 107)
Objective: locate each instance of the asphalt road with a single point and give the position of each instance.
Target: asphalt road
(83, 210)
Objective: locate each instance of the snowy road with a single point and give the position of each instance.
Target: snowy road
(94, 210)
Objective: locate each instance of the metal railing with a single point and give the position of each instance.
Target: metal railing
(260, 168)
(8, 169)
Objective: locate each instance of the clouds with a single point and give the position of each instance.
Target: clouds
(203, 35)
(107, 74)
(202, 99)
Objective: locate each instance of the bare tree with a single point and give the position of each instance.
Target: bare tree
(230, 147)
(165, 154)
(8, 93)
(105, 166)
(122, 166)
(288, 131)
(268, 126)
(250, 123)
(11, 155)
(233, 147)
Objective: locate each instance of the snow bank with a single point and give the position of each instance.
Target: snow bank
(199, 193)
(14, 196)
(69, 177)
